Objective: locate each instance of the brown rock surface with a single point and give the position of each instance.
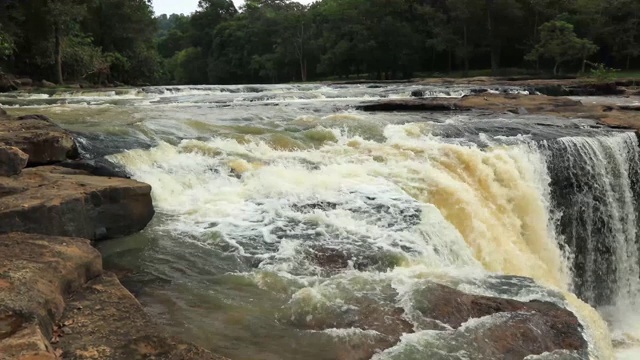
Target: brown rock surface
(36, 272)
(424, 104)
(65, 202)
(622, 116)
(487, 327)
(106, 322)
(49, 311)
(12, 160)
(546, 328)
(41, 139)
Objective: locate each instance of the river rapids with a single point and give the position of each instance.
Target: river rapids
(250, 181)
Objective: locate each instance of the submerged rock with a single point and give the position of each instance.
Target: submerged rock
(64, 202)
(12, 161)
(107, 322)
(40, 138)
(444, 319)
(534, 327)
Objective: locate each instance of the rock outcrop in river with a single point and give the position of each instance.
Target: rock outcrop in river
(56, 301)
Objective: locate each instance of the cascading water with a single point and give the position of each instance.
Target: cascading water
(252, 199)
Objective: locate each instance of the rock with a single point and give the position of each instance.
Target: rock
(12, 161)
(64, 202)
(7, 85)
(47, 84)
(546, 328)
(38, 137)
(25, 82)
(517, 103)
(3, 113)
(109, 323)
(333, 260)
(426, 104)
(48, 308)
(483, 327)
(37, 272)
(417, 93)
(118, 84)
(97, 167)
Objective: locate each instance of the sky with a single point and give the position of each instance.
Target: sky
(188, 6)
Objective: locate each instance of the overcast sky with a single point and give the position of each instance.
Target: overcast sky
(188, 6)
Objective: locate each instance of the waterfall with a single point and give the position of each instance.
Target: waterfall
(595, 201)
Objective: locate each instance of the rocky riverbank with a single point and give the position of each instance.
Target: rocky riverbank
(56, 300)
(614, 116)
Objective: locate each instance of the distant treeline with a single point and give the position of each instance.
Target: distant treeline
(269, 41)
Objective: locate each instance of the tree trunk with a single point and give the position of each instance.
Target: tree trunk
(628, 62)
(466, 53)
(584, 64)
(58, 55)
(494, 44)
(555, 68)
(450, 61)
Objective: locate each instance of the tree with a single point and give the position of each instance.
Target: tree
(559, 42)
(63, 14)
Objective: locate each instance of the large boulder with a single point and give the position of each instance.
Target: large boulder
(561, 328)
(65, 202)
(25, 82)
(40, 138)
(36, 273)
(447, 320)
(106, 322)
(7, 85)
(49, 311)
(12, 161)
(47, 84)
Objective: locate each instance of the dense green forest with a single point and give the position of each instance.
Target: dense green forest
(268, 41)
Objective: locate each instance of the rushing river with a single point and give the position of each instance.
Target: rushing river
(258, 187)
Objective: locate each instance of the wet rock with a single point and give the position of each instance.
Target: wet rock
(97, 167)
(107, 322)
(38, 137)
(318, 205)
(427, 104)
(12, 161)
(546, 328)
(47, 84)
(385, 325)
(417, 93)
(25, 82)
(334, 260)
(49, 311)
(7, 85)
(36, 272)
(58, 201)
(3, 113)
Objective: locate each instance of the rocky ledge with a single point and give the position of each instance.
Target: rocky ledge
(56, 301)
(615, 116)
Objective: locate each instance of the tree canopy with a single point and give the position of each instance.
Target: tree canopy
(267, 41)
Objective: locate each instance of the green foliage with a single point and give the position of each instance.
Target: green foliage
(601, 73)
(559, 42)
(268, 41)
(80, 58)
(6, 45)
